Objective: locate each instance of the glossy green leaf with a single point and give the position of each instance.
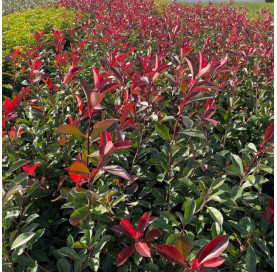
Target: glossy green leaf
(80, 213)
(20, 178)
(193, 133)
(162, 131)
(236, 160)
(63, 265)
(232, 170)
(69, 252)
(216, 215)
(250, 259)
(22, 239)
(16, 166)
(94, 264)
(170, 217)
(189, 207)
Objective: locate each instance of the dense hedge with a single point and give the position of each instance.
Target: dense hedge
(18, 31)
(137, 140)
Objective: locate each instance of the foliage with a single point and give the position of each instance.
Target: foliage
(135, 139)
(18, 30)
(11, 6)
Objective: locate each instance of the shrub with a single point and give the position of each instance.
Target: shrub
(138, 140)
(18, 31)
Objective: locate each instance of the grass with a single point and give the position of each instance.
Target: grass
(253, 7)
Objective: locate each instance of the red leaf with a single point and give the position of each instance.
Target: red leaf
(171, 254)
(105, 143)
(93, 98)
(143, 249)
(96, 78)
(121, 229)
(268, 215)
(212, 121)
(118, 171)
(151, 220)
(124, 113)
(29, 169)
(269, 132)
(129, 227)
(217, 261)
(75, 177)
(271, 204)
(12, 106)
(109, 87)
(213, 249)
(73, 71)
(124, 254)
(191, 66)
(142, 224)
(80, 103)
(209, 69)
(123, 144)
(153, 235)
(62, 141)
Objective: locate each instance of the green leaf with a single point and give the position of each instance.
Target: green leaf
(37, 235)
(199, 204)
(201, 96)
(236, 192)
(34, 268)
(101, 126)
(94, 264)
(188, 122)
(232, 170)
(162, 224)
(63, 265)
(189, 207)
(15, 166)
(80, 213)
(22, 239)
(166, 118)
(20, 178)
(162, 131)
(236, 160)
(69, 252)
(193, 133)
(263, 246)
(151, 267)
(69, 240)
(79, 244)
(217, 183)
(101, 244)
(170, 217)
(251, 260)
(216, 215)
(264, 168)
(171, 239)
(216, 229)
(100, 230)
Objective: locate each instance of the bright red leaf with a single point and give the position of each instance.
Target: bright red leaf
(124, 254)
(30, 169)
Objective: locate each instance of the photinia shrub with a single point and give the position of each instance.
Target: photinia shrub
(130, 114)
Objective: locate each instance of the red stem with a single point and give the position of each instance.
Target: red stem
(254, 159)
